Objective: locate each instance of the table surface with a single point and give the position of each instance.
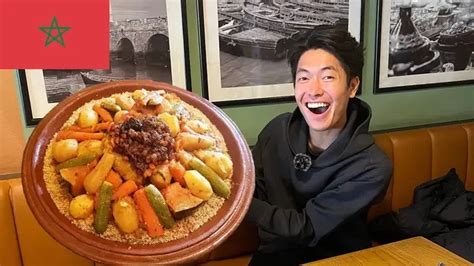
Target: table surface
(413, 251)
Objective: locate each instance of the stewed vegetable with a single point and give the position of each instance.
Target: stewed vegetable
(139, 162)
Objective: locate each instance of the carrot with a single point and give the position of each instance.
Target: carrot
(80, 129)
(104, 126)
(80, 136)
(104, 114)
(62, 134)
(177, 172)
(148, 215)
(114, 179)
(125, 189)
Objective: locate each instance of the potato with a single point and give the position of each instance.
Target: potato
(139, 95)
(120, 116)
(162, 178)
(221, 164)
(65, 149)
(197, 126)
(189, 141)
(125, 102)
(95, 147)
(125, 215)
(171, 121)
(166, 107)
(184, 158)
(109, 104)
(198, 184)
(87, 118)
(219, 187)
(81, 206)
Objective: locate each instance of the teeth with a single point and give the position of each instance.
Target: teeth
(316, 105)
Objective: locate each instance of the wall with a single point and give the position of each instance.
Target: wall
(390, 110)
(12, 140)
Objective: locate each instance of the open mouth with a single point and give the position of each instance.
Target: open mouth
(317, 107)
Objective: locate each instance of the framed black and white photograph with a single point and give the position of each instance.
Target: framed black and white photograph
(244, 44)
(424, 44)
(144, 45)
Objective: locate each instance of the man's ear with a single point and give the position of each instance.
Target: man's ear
(353, 86)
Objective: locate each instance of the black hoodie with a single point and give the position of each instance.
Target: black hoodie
(326, 206)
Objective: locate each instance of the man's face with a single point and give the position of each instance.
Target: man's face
(321, 90)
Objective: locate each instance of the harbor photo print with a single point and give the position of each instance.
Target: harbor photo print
(424, 44)
(246, 42)
(144, 45)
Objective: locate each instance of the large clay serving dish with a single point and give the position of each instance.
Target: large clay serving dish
(184, 250)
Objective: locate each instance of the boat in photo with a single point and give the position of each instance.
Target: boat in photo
(290, 11)
(265, 29)
(445, 18)
(410, 52)
(237, 38)
(229, 7)
(91, 77)
(273, 18)
(334, 9)
(456, 45)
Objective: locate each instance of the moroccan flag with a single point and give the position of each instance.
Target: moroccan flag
(54, 34)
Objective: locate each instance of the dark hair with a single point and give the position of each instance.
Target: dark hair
(334, 39)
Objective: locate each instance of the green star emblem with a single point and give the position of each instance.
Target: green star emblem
(54, 32)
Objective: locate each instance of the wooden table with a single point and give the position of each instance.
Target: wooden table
(413, 251)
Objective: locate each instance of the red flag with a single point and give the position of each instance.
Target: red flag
(54, 34)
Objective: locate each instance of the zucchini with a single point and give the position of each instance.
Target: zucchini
(159, 205)
(101, 219)
(78, 161)
(218, 185)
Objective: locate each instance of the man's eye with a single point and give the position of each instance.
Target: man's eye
(328, 77)
(302, 79)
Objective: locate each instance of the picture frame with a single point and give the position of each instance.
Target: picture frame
(243, 53)
(437, 55)
(160, 54)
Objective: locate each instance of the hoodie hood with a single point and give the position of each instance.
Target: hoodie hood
(353, 138)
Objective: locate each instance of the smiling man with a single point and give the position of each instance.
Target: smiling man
(318, 169)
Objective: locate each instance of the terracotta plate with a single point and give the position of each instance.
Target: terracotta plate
(187, 249)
